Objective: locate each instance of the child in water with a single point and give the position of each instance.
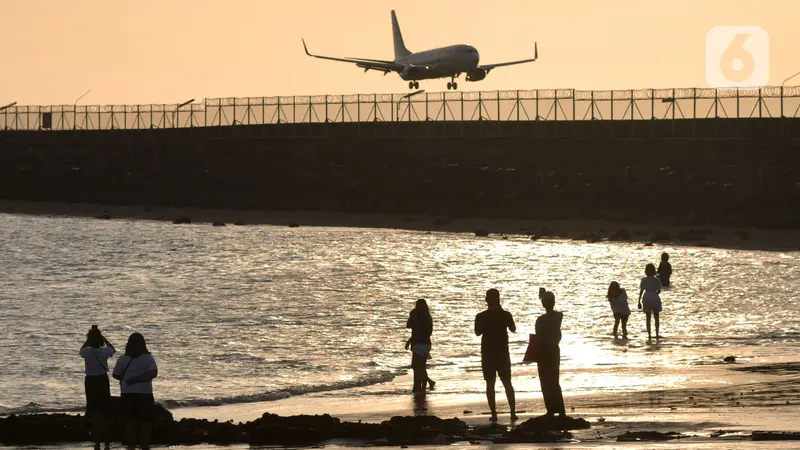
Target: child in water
(664, 270)
(618, 299)
(649, 300)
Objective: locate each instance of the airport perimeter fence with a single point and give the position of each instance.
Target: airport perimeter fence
(541, 105)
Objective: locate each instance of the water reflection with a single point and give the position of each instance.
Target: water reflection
(420, 404)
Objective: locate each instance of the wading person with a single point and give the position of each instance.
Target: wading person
(664, 270)
(618, 299)
(649, 300)
(421, 324)
(135, 371)
(95, 353)
(492, 326)
(548, 354)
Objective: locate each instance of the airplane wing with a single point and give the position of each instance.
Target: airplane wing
(488, 67)
(366, 64)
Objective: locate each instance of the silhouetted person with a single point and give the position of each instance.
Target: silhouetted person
(135, 371)
(649, 301)
(664, 270)
(95, 352)
(618, 299)
(548, 354)
(492, 325)
(421, 324)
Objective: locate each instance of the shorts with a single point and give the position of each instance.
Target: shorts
(421, 349)
(496, 364)
(651, 305)
(98, 394)
(138, 407)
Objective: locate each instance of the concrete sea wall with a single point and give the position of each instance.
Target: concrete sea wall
(681, 171)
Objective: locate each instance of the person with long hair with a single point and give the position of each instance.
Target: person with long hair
(649, 300)
(618, 299)
(135, 371)
(95, 353)
(548, 354)
(421, 324)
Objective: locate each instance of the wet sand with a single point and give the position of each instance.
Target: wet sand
(758, 398)
(591, 231)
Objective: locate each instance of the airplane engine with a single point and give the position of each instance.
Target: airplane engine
(413, 72)
(476, 75)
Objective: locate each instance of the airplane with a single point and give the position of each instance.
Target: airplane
(446, 62)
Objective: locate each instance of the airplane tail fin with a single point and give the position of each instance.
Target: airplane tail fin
(400, 49)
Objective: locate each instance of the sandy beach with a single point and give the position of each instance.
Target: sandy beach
(591, 231)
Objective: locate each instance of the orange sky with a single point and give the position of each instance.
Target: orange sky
(149, 51)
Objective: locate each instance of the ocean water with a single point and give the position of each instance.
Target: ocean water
(260, 313)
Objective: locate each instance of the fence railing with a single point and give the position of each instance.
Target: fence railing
(517, 105)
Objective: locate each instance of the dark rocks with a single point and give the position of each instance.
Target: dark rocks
(218, 224)
(182, 220)
(636, 436)
(775, 436)
(730, 359)
(554, 423)
(481, 233)
(294, 225)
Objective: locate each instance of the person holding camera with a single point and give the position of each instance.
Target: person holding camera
(95, 353)
(135, 371)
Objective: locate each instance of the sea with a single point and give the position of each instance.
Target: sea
(256, 313)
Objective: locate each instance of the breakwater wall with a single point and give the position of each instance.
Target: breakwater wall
(473, 169)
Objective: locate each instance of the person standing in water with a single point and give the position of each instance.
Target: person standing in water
(664, 270)
(548, 354)
(135, 371)
(421, 324)
(95, 353)
(492, 325)
(618, 299)
(649, 301)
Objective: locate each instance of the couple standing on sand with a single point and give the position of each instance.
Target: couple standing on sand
(493, 326)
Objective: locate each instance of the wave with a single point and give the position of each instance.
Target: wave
(34, 408)
(292, 391)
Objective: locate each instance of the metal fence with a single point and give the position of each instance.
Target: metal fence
(519, 105)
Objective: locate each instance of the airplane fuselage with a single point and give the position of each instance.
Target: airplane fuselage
(446, 62)
(439, 63)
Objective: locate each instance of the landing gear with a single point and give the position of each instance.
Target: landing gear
(452, 83)
(413, 84)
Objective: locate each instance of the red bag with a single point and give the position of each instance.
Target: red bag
(530, 353)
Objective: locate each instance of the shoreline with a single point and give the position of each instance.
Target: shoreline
(590, 231)
(742, 412)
